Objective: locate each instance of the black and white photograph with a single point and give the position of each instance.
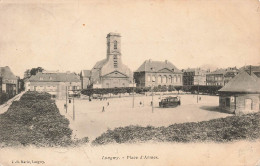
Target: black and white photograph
(130, 83)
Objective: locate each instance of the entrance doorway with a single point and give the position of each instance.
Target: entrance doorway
(248, 104)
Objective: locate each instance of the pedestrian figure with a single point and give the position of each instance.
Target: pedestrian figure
(151, 103)
(199, 98)
(140, 103)
(107, 103)
(65, 106)
(103, 110)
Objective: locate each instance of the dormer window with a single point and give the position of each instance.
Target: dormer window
(115, 44)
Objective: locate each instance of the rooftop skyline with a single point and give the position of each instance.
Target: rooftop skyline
(71, 36)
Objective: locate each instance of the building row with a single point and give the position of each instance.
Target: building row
(111, 73)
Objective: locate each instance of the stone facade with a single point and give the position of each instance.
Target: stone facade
(221, 77)
(195, 76)
(157, 73)
(239, 103)
(111, 72)
(241, 95)
(54, 83)
(85, 78)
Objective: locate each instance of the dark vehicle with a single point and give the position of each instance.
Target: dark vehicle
(170, 102)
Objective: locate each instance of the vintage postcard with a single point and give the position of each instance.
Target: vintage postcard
(129, 83)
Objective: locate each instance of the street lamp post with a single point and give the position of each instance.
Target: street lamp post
(198, 90)
(133, 93)
(66, 98)
(73, 108)
(152, 94)
(73, 102)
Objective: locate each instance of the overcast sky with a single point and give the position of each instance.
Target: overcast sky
(71, 36)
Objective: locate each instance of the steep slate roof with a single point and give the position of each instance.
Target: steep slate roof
(189, 70)
(219, 71)
(227, 71)
(243, 82)
(253, 68)
(7, 74)
(197, 71)
(54, 77)
(155, 66)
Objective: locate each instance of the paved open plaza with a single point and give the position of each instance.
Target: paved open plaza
(91, 120)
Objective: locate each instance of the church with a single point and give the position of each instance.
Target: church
(110, 72)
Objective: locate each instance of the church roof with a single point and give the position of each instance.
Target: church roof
(95, 72)
(100, 64)
(54, 77)
(113, 34)
(155, 66)
(85, 73)
(243, 82)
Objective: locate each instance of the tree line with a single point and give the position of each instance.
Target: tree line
(192, 89)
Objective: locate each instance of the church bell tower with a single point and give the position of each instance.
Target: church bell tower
(114, 47)
(113, 43)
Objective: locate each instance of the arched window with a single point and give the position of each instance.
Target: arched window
(115, 44)
(159, 79)
(170, 79)
(176, 79)
(164, 79)
(179, 78)
(153, 78)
